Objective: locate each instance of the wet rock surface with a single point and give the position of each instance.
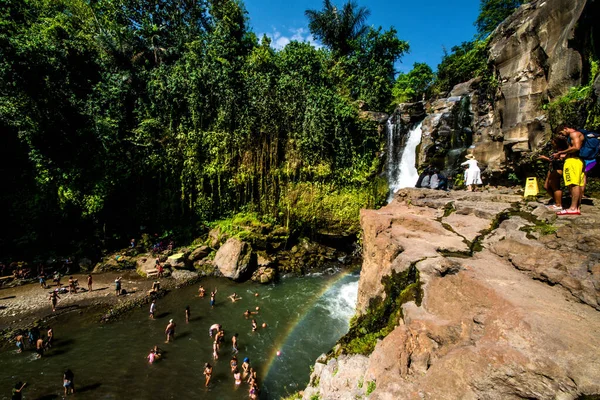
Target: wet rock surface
(509, 307)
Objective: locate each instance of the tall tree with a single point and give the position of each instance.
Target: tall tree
(338, 28)
(493, 12)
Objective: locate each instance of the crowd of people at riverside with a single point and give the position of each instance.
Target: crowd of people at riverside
(240, 373)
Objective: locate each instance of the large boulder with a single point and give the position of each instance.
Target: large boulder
(178, 261)
(199, 253)
(235, 259)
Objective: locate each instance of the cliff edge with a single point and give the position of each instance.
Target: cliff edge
(507, 305)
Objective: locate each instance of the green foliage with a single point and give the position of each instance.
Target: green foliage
(414, 85)
(382, 316)
(493, 12)
(579, 106)
(465, 62)
(371, 386)
(128, 113)
(294, 396)
(337, 27)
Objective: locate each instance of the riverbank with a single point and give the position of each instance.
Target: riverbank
(22, 306)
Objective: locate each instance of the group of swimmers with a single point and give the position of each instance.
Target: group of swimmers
(35, 340)
(217, 333)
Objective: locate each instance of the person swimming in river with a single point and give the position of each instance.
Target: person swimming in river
(151, 357)
(50, 337)
(247, 313)
(152, 309)
(69, 381)
(170, 331)
(234, 297)
(219, 338)
(214, 327)
(213, 294)
(237, 376)
(201, 291)
(215, 350)
(234, 343)
(254, 325)
(39, 347)
(245, 368)
(54, 299)
(233, 364)
(207, 373)
(20, 343)
(17, 391)
(188, 312)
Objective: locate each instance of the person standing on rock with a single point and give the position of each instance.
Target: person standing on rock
(573, 172)
(90, 282)
(472, 174)
(170, 331)
(118, 286)
(54, 299)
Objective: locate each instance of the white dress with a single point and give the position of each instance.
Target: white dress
(473, 173)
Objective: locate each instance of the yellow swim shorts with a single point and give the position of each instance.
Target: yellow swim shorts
(573, 172)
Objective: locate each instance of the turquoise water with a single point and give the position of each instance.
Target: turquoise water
(305, 317)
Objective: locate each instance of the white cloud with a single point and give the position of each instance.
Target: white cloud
(279, 40)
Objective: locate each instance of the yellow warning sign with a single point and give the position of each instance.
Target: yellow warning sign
(531, 187)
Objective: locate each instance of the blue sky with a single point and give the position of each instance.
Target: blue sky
(428, 25)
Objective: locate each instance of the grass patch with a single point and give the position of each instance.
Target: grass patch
(371, 386)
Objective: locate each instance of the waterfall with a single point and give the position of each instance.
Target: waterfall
(403, 173)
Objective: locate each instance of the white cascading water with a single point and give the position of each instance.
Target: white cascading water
(341, 301)
(405, 174)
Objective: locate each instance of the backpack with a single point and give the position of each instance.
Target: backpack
(591, 145)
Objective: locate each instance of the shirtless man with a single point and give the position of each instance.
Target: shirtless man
(254, 325)
(214, 327)
(234, 297)
(212, 297)
(50, 337)
(39, 347)
(201, 291)
(20, 343)
(234, 343)
(573, 170)
(170, 331)
(54, 299)
(90, 282)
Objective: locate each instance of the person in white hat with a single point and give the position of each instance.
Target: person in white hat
(472, 174)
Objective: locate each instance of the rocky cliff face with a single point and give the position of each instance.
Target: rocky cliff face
(537, 55)
(509, 309)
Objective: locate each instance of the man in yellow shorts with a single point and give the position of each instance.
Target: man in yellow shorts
(573, 169)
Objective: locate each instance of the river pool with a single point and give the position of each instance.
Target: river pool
(305, 316)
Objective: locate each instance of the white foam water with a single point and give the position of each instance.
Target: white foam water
(340, 301)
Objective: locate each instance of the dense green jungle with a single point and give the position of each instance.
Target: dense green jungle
(126, 116)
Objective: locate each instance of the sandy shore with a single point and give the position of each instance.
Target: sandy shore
(22, 305)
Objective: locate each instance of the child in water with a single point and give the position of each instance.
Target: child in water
(207, 373)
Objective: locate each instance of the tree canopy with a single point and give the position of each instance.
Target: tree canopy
(337, 28)
(128, 113)
(492, 13)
